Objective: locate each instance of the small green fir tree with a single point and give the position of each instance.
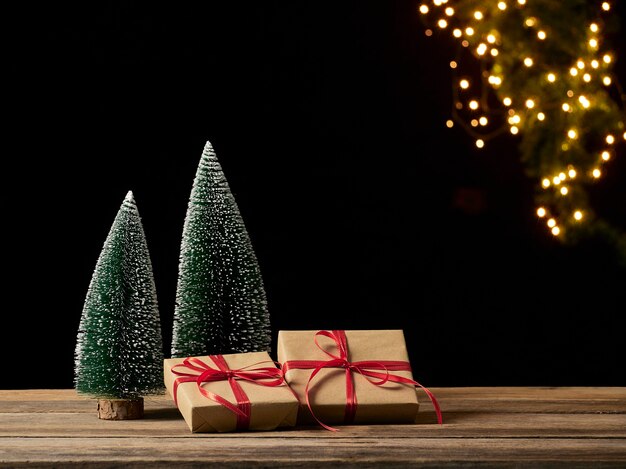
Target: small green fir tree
(119, 351)
(221, 305)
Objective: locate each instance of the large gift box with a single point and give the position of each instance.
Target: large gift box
(349, 376)
(222, 393)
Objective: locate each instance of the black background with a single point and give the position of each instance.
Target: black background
(328, 119)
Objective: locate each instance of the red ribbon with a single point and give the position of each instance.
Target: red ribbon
(206, 374)
(364, 368)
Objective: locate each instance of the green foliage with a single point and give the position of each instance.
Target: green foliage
(221, 305)
(119, 347)
(584, 95)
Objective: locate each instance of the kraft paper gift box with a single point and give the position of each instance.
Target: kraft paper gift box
(388, 403)
(270, 406)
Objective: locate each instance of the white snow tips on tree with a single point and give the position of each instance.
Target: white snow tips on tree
(119, 352)
(221, 306)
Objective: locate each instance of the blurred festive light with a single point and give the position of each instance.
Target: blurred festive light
(556, 72)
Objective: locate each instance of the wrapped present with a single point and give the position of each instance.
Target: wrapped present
(223, 393)
(350, 376)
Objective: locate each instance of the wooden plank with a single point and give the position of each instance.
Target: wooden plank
(169, 423)
(276, 451)
(506, 399)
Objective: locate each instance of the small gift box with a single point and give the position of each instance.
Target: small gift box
(350, 376)
(223, 393)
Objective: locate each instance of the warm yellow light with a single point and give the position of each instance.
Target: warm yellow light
(449, 11)
(556, 231)
(483, 121)
(571, 133)
(573, 71)
(606, 59)
(594, 27)
(551, 77)
(464, 84)
(453, 64)
(480, 143)
(541, 212)
(596, 173)
(494, 80)
(457, 33)
(562, 176)
(606, 81)
(580, 64)
(541, 35)
(595, 63)
(507, 101)
(606, 156)
(578, 215)
(624, 135)
(491, 39)
(514, 130)
(541, 116)
(570, 93)
(481, 49)
(515, 119)
(584, 101)
(474, 123)
(478, 15)
(587, 77)
(528, 62)
(593, 43)
(442, 23)
(423, 9)
(449, 123)
(469, 31)
(556, 180)
(530, 22)
(438, 2)
(565, 107)
(551, 222)
(473, 105)
(530, 103)
(606, 6)
(572, 173)
(610, 139)
(564, 190)
(521, 2)
(494, 52)
(545, 182)
(502, 6)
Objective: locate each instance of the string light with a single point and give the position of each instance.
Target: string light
(486, 33)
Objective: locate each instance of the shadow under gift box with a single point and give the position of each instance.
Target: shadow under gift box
(271, 407)
(388, 403)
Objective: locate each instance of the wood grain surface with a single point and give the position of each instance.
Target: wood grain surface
(483, 427)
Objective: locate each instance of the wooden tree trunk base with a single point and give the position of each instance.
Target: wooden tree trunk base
(120, 409)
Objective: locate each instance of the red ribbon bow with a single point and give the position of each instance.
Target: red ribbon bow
(206, 374)
(364, 368)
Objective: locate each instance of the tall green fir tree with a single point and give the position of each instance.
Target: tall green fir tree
(221, 306)
(119, 352)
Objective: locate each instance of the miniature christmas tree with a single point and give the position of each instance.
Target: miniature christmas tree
(119, 355)
(221, 305)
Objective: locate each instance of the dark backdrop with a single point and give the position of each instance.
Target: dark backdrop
(328, 118)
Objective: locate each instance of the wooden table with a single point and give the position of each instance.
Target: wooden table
(486, 427)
